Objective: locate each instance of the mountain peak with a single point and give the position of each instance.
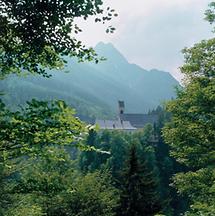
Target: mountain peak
(102, 45)
(109, 51)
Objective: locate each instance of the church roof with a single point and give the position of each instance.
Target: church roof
(125, 121)
(139, 120)
(115, 124)
(86, 119)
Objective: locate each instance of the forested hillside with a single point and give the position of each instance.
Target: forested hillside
(94, 89)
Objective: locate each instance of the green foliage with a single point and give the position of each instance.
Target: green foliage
(36, 171)
(140, 190)
(46, 174)
(86, 158)
(25, 207)
(33, 161)
(199, 186)
(118, 144)
(173, 202)
(210, 13)
(199, 60)
(41, 178)
(119, 153)
(43, 183)
(35, 34)
(2, 186)
(191, 133)
(107, 141)
(93, 195)
(37, 125)
(50, 186)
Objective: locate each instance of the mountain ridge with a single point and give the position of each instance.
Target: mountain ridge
(94, 89)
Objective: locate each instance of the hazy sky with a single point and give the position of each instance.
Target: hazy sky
(151, 33)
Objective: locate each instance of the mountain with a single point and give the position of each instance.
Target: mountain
(94, 89)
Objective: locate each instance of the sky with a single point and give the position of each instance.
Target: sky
(152, 33)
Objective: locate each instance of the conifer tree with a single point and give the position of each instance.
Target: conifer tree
(140, 190)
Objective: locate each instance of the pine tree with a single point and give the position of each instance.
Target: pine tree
(140, 190)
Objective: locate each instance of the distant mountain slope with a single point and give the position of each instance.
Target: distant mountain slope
(94, 89)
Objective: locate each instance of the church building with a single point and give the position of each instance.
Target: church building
(127, 121)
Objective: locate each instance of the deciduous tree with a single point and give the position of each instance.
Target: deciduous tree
(36, 34)
(191, 132)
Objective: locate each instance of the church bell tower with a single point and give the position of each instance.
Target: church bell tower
(121, 105)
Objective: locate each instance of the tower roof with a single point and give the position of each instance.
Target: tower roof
(121, 103)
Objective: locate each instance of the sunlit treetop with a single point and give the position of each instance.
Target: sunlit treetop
(35, 34)
(199, 59)
(210, 13)
(190, 133)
